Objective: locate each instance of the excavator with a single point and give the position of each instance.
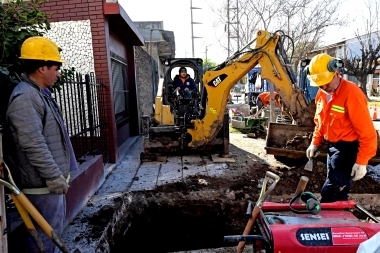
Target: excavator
(200, 123)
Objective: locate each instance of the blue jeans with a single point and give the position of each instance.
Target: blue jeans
(53, 208)
(341, 157)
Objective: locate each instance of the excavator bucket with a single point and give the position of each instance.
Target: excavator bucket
(288, 140)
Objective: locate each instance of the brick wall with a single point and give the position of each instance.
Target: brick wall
(92, 10)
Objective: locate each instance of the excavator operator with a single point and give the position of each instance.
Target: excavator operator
(184, 83)
(342, 118)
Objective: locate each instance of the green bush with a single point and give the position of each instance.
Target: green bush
(19, 20)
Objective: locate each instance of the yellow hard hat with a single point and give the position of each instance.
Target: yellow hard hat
(319, 72)
(40, 48)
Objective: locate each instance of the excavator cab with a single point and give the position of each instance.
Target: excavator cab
(175, 111)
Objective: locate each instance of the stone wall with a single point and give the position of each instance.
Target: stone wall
(75, 40)
(145, 81)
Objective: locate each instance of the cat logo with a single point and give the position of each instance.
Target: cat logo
(217, 80)
(212, 110)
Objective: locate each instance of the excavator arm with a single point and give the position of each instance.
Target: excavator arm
(269, 53)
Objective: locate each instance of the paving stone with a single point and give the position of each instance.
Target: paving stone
(146, 177)
(171, 170)
(214, 169)
(193, 165)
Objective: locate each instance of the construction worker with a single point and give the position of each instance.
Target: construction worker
(184, 83)
(263, 99)
(342, 118)
(43, 155)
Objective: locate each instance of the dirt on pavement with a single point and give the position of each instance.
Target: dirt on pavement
(252, 163)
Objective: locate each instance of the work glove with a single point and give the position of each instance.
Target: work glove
(310, 151)
(58, 185)
(358, 171)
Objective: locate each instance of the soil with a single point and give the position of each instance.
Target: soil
(204, 205)
(253, 163)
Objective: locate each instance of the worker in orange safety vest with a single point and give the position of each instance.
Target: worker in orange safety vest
(342, 119)
(263, 99)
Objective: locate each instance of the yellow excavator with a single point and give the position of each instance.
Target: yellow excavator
(201, 122)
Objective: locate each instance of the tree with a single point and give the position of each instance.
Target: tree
(207, 64)
(19, 20)
(363, 51)
(305, 21)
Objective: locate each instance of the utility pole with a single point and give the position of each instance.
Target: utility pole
(206, 51)
(192, 30)
(228, 28)
(236, 23)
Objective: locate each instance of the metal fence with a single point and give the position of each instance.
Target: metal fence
(81, 100)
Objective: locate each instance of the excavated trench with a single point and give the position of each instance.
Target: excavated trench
(198, 211)
(170, 222)
(154, 221)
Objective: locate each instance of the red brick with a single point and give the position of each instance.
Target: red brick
(96, 12)
(57, 7)
(58, 15)
(82, 13)
(64, 11)
(81, 5)
(51, 13)
(72, 2)
(98, 37)
(97, 29)
(95, 4)
(71, 14)
(96, 21)
(49, 4)
(76, 18)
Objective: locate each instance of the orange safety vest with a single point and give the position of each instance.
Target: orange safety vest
(265, 98)
(345, 118)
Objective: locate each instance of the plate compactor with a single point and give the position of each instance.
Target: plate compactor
(306, 226)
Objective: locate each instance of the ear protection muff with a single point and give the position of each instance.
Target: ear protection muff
(335, 65)
(311, 203)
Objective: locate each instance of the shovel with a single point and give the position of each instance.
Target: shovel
(309, 164)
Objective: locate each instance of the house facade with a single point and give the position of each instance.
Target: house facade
(98, 37)
(346, 49)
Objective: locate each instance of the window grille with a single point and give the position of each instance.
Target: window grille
(120, 89)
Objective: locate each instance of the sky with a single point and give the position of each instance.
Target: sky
(176, 17)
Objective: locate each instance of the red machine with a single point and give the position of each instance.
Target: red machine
(308, 227)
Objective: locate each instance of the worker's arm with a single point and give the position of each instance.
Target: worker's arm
(26, 116)
(318, 118)
(193, 86)
(362, 123)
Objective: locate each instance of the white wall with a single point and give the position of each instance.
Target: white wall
(75, 40)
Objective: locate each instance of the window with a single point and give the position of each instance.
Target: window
(120, 89)
(375, 82)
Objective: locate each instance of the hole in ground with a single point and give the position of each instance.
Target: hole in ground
(154, 222)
